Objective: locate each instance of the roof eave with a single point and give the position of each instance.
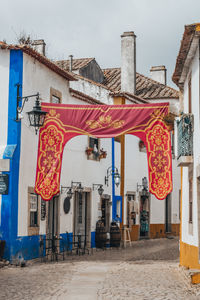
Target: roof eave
(41, 58)
(185, 56)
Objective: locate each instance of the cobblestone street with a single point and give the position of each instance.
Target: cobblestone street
(147, 270)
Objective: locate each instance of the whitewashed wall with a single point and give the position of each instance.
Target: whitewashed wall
(93, 90)
(75, 166)
(190, 232)
(4, 84)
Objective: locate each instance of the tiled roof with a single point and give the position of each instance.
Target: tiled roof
(41, 58)
(84, 97)
(76, 63)
(145, 87)
(189, 33)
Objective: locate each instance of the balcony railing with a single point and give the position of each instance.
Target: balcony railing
(185, 139)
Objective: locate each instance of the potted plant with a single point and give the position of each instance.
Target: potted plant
(103, 153)
(89, 151)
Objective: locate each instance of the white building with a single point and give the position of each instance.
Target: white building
(123, 83)
(186, 76)
(25, 219)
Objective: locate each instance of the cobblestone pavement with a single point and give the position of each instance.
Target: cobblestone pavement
(146, 271)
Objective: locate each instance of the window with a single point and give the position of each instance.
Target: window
(55, 96)
(55, 99)
(131, 210)
(33, 212)
(94, 144)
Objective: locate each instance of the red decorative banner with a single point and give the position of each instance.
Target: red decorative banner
(63, 122)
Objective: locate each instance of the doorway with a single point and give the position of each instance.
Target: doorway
(168, 213)
(82, 218)
(53, 218)
(105, 211)
(144, 216)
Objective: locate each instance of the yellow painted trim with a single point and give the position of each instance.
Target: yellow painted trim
(195, 278)
(121, 101)
(189, 256)
(198, 27)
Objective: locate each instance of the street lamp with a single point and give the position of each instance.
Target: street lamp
(36, 115)
(68, 190)
(115, 173)
(77, 186)
(99, 188)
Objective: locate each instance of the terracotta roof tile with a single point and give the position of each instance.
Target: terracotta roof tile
(41, 58)
(145, 87)
(188, 36)
(76, 63)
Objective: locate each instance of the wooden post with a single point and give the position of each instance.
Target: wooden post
(121, 101)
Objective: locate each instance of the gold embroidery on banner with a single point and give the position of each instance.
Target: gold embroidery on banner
(49, 161)
(158, 144)
(157, 114)
(105, 122)
(52, 113)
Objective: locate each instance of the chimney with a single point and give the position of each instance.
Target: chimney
(39, 46)
(70, 62)
(159, 73)
(128, 62)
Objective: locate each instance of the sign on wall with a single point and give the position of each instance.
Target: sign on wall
(4, 184)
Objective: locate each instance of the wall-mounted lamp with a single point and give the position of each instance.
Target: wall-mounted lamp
(68, 190)
(99, 188)
(36, 115)
(77, 186)
(144, 187)
(114, 172)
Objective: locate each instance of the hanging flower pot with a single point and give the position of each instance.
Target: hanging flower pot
(103, 153)
(89, 151)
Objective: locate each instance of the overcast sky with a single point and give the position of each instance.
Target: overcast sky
(92, 28)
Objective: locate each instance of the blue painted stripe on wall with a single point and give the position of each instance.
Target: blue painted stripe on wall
(93, 244)
(9, 228)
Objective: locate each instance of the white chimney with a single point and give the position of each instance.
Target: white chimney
(128, 62)
(159, 73)
(39, 46)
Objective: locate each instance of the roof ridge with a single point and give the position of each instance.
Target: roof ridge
(76, 59)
